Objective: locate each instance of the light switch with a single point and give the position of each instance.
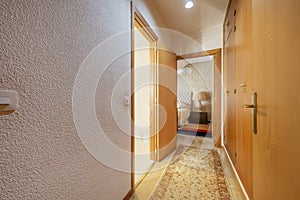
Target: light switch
(126, 101)
(4, 101)
(8, 100)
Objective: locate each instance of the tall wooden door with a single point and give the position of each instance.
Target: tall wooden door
(167, 100)
(230, 84)
(276, 79)
(238, 86)
(244, 87)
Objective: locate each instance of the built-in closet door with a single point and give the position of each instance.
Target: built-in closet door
(244, 91)
(230, 85)
(276, 79)
(238, 90)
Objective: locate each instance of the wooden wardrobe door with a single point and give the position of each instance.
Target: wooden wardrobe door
(243, 96)
(276, 79)
(230, 83)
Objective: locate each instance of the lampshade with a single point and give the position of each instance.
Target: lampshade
(202, 96)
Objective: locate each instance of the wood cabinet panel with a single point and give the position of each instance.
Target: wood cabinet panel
(244, 90)
(276, 79)
(238, 84)
(229, 67)
(266, 45)
(229, 83)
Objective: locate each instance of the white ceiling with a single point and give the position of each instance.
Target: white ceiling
(204, 14)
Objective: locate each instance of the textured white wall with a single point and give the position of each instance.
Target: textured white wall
(41, 49)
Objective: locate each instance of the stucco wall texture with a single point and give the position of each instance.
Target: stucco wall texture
(43, 44)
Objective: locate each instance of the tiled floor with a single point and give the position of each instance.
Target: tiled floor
(148, 184)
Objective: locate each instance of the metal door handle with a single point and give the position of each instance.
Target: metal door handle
(248, 106)
(254, 112)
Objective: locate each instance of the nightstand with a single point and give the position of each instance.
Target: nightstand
(198, 117)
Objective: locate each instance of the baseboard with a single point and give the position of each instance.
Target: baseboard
(236, 174)
(144, 175)
(128, 195)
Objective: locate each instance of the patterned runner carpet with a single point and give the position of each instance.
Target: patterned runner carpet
(193, 173)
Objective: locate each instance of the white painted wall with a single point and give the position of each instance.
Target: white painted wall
(202, 40)
(212, 37)
(43, 44)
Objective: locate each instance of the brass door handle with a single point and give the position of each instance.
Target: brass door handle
(248, 106)
(243, 85)
(254, 112)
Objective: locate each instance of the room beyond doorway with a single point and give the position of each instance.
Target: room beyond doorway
(200, 104)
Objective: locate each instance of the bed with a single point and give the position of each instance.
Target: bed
(184, 107)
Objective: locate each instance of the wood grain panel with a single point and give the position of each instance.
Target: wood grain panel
(276, 47)
(243, 96)
(229, 84)
(167, 90)
(238, 72)
(216, 112)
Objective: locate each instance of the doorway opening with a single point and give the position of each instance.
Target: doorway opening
(154, 99)
(144, 93)
(195, 91)
(199, 94)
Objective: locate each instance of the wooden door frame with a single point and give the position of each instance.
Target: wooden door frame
(217, 53)
(137, 17)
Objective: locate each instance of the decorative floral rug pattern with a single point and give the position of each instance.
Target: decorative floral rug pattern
(193, 173)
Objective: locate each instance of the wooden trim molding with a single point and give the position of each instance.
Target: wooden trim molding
(217, 119)
(199, 54)
(137, 20)
(138, 17)
(129, 194)
(217, 125)
(132, 97)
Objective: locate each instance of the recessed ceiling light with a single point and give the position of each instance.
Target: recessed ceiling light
(189, 4)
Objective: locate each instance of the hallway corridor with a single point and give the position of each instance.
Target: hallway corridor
(156, 185)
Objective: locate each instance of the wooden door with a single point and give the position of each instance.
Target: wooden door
(230, 85)
(167, 112)
(238, 85)
(276, 79)
(243, 95)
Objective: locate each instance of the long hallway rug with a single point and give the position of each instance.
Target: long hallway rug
(193, 173)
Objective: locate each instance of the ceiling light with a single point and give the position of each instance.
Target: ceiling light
(189, 4)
